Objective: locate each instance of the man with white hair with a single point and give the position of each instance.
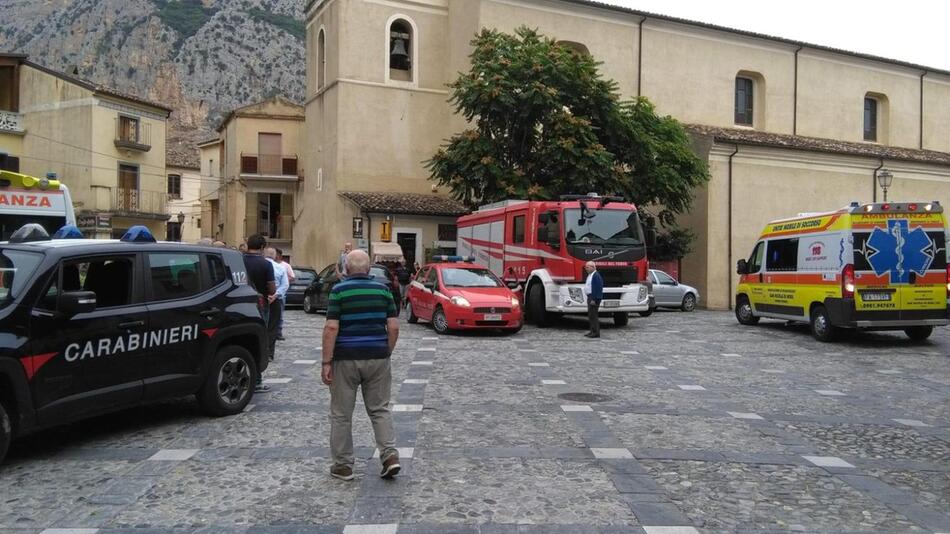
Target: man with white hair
(594, 289)
(360, 334)
(276, 301)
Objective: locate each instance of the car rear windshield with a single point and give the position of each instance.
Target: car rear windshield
(304, 276)
(380, 274)
(457, 277)
(16, 267)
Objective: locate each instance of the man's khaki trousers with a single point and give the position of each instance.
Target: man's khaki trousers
(375, 379)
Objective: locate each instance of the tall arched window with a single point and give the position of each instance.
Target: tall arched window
(875, 117)
(401, 50)
(750, 99)
(321, 59)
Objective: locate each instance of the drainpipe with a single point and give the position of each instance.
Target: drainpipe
(729, 219)
(874, 181)
(369, 232)
(921, 115)
(640, 56)
(795, 94)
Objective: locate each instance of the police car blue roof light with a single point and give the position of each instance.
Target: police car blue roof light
(68, 232)
(29, 233)
(138, 234)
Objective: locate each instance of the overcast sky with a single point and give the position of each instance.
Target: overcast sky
(909, 30)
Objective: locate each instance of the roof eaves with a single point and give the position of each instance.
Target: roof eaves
(86, 84)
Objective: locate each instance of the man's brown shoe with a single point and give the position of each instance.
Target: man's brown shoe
(390, 467)
(342, 472)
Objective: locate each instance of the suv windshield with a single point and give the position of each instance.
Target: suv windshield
(15, 269)
(603, 227)
(469, 278)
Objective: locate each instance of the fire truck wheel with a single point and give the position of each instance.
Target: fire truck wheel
(6, 432)
(412, 316)
(538, 314)
(646, 313)
(621, 318)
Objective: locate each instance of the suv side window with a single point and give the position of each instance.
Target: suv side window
(755, 260)
(109, 278)
(216, 271)
(174, 275)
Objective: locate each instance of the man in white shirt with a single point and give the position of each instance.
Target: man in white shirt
(277, 300)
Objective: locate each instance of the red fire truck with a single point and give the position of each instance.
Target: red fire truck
(543, 246)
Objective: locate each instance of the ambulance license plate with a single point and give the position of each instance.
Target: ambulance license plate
(877, 296)
(611, 303)
(492, 316)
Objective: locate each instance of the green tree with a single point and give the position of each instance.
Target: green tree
(544, 122)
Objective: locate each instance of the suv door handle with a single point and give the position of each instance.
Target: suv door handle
(128, 325)
(211, 312)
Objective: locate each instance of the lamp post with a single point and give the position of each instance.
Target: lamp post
(181, 222)
(884, 179)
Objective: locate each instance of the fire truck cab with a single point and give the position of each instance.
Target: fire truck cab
(543, 246)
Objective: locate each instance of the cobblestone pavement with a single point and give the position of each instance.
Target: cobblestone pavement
(698, 424)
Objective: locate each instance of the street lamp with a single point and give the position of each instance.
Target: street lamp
(181, 221)
(884, 179)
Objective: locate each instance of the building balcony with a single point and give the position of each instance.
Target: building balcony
(137, 203)
(279, 167)
(131, 134)
(11, 122)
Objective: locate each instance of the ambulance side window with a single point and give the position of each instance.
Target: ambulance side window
(755, 260)
(782, 255)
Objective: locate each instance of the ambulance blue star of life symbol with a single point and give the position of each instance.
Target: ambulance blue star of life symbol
(899, 251)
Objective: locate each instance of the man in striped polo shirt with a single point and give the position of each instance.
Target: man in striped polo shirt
(360, 334)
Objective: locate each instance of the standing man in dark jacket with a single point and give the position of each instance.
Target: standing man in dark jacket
(359, 336)
(260, 274)
(594, 289)
(404, 277)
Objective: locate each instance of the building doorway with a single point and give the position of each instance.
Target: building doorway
(410, 241)
(269, 215)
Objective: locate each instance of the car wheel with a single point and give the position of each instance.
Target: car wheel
(412, 315)
(516, 329)
(689, 302)
(537, 312)
(308, 305)
(440, 322)
(744, 312)
(229, 385)
(919, 333)
(621, 318)
(647, 313)
(6, 432)
(821, 326)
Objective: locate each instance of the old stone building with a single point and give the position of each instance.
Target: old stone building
(786, 126)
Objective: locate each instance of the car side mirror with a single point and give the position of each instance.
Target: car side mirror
(513, 284)
(75, 302)
(649, 235)
(742, 267)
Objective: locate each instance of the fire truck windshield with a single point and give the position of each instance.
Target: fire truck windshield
(603, 227)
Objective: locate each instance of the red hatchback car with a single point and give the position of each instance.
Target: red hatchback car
(459, 295)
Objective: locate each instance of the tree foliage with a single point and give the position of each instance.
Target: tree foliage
(544, 122)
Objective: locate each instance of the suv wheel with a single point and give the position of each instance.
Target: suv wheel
(412, 316)
(308, 305)
(229, 385)
(821, 326)
(919, 333)
(6, 432)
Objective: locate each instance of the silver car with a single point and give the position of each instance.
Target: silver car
(671, 294)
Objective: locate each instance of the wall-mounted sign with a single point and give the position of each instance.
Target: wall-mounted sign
(357, 227)
(103, 220)
(86, 221)
(386, 231)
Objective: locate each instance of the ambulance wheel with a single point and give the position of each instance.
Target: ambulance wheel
(538, 314)
(919, 333)
(689, 302)
(308, 305)
(440, 322)
(230, 384)
(821, 326)
(744, 312)
(621, 318)
(6, 432)
(412, 316)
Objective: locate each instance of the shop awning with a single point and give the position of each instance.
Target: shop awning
(383, 251)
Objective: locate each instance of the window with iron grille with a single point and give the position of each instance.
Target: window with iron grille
(174, 186)
(744, 94)
(870, 119)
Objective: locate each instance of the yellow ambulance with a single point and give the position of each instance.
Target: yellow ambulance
(880, 266)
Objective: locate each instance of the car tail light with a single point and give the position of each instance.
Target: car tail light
(912, 207)
(948, 281)
(847, 282)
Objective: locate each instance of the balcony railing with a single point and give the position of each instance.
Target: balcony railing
(283, 165)
(11, 121)
(132, 134)
(136, 201)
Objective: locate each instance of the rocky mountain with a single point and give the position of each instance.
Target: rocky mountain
(201, 57)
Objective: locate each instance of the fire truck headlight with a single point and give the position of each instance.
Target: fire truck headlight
(461, 301)
(576, 294)
(643, 293)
